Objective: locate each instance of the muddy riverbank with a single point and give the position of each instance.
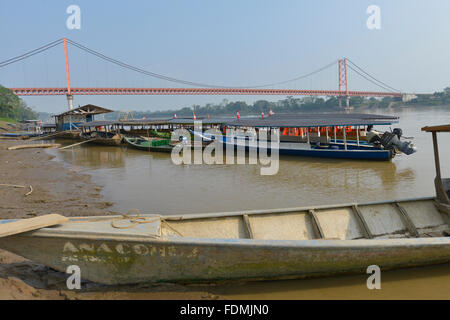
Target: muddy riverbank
(56, 189)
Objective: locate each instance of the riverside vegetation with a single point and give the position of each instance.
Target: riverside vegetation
(293, 105)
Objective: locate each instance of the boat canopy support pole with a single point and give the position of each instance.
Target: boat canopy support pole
(436, 155)
(344, 131)
(357, 135)
(441, 194)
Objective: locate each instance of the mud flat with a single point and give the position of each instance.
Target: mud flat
(57, 189)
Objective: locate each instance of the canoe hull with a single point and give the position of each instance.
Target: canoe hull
(134, 143)
(129, 261)
(165, 149)
(253, 245)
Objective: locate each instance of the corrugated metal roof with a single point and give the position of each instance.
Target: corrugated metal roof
(88, 109)
(97, 123)
(315, 120)
(278, 120)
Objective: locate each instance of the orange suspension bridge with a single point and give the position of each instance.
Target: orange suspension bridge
(199, 88)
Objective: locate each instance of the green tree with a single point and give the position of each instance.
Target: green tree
(11, 106)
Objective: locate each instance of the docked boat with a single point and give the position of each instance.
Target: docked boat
(149, 144)
(19, 134)
(271, 244)
(102, 137)
(252, 245)
(101, 132)
(317, 135)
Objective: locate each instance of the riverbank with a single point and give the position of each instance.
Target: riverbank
(56, 189)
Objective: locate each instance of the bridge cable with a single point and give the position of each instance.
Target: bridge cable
(362, 70)
(167, 78)
(30, 53)
(370, 80)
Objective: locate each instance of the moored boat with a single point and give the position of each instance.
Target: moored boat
(149, 144)
(316, 135)
(270, 244)
(103, 138)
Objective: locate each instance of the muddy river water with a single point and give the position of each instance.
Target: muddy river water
(152, 183)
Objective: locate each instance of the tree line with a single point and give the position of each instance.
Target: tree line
(12, 107)
(293, 105)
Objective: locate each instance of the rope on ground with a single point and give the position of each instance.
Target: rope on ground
(31, 191)
(11, 185)
(138, 219)
(17, 186)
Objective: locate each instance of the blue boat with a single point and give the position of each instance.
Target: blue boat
(19, 134)
(316, 135)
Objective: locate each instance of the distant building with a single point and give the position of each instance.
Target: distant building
(78, 116)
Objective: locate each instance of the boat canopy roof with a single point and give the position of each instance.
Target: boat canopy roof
(278, 120)
(88, 109)
(315, 120)
(97, 123)
(147, 122)
(440, 128)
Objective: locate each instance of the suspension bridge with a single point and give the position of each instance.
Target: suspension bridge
(342, 91)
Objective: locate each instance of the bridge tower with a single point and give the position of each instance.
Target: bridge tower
(69, 93)
(343, 83)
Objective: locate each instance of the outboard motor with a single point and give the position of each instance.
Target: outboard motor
(398, 132)
(391, 140)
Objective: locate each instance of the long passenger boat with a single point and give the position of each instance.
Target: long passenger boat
(251, 245)
(317, 135)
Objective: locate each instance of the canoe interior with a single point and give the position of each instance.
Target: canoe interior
(147, 142)
(390, 220)
(381, 221)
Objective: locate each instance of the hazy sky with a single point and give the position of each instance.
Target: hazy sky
(230, 43)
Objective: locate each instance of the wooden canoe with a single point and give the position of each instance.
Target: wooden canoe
(103, 138)
(149, 144)
(251, 245)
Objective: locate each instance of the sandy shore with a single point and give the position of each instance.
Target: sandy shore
(56, 189)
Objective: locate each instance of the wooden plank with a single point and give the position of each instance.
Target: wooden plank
(362, 222)
(441, 128)
(31, 146)
(248, 226)
(407, 220)
(77, 144)
(316, 225)
(25, 225)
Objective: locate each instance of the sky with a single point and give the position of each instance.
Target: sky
(225, 43)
